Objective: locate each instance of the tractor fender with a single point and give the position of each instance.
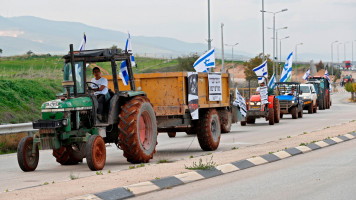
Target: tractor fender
(270, 101)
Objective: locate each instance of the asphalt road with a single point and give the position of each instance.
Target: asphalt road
(324, 174)
(181, 147)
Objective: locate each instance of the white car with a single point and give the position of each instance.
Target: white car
(309, 96)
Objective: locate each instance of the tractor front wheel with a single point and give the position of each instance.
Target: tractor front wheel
(294, 112)
(271, 116)
(96, 153)
(243, 123)
(138, 130)
(277, 110)
(27, 160)
(209, 132)
(315, 108)
(66, 155)
(250, 120)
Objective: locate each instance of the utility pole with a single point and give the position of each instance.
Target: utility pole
(222, 48)
(232, 59)
(263, 31)
(209, 40)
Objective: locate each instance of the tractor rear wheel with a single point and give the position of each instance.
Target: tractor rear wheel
(225, 120)
(321, 105)
(271, 116)
(310, 108)
(328, 103)
(27, 160)
(294, 112)
(209, 132)
(96, 153)
(300, 114)
(172, 134)
(66, 155)
(277, 110)
(138, 130)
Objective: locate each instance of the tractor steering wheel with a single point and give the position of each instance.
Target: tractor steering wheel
(90, 88)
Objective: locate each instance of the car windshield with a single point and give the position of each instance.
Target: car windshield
(305, 89)
(79, 75)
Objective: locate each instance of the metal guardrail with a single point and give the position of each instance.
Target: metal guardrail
(16, 128)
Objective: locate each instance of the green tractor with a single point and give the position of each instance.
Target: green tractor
(69, 124)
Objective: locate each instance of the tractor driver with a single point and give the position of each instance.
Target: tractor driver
(262, 84)
(101, 91)
(292, 91)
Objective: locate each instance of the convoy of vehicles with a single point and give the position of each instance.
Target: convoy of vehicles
(134, 114)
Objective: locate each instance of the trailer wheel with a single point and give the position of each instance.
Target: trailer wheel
(172, 134)
(271, 116)
(294, 112)
(300, 114)
(138, 130)
(277, 110)
(66, 155)
(27, 161)
(310, 108)
(225, 120)
(209, 132)
(96, 153)
(243, 123)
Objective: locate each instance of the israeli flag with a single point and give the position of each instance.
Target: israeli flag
(82, 45)
(327, 75)
(287, 69)
(272, 82)
(124, 73)
(261, 70)
(205, 61)
(306, 75)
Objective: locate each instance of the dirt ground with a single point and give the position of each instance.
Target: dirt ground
(94, 184)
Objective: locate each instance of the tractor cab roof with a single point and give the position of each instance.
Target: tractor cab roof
(287, 83)
(98, 55)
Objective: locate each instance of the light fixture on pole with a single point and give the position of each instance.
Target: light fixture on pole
(280, 52)
(332, 59)
(296, 56)
(274, 32)
(232, 59)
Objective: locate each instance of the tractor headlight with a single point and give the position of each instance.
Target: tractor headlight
(65, 122)
(292, 101)
(258, 103)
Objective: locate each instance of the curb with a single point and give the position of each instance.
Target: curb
(180, 179)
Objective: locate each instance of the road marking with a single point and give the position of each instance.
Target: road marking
(282, 154)
(227, 168)
(322, 144)
(167, 182)
(337, 140)
(85, 197)
(349, 136)
(189, 177)
(257, 160)
(143, 187)
(304, 149)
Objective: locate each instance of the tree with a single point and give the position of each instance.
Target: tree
(319, 66)
(351, 87)
(0, 51)
(185, 63)
(256, 61)
(115, 47)
(29, 53)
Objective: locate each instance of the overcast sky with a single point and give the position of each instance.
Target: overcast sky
(315, 23)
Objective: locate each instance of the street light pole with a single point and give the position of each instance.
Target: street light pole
(296, 56)
(274, 37)
(263, 32)
(209, 40)
(332, 60)
(222, 48)
(232, 59)
(280, 53)
(277, 65)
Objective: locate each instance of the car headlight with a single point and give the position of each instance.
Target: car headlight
(64, 122)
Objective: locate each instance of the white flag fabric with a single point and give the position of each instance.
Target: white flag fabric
(327, 75)
(240, 102)
(261, 70)
(306, 75)
(205, 61)
(83, 43)
(272, 82)
(287, 69)
(124, 74)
